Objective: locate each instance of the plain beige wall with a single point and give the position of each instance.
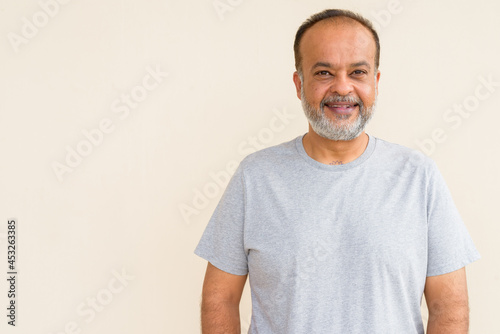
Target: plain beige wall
(180, 92)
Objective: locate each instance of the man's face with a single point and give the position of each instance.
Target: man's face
(338, 87)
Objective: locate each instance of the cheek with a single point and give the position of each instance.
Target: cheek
(367, 94)
(316, 92)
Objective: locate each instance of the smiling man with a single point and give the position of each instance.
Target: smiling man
(337, 231)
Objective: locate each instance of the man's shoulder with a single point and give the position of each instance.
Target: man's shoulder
(400, 154)
(271, 156)
(396, 148)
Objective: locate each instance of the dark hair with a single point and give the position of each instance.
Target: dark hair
(330, 14)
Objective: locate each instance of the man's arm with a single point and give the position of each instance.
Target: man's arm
(448, 304)
(220, 312)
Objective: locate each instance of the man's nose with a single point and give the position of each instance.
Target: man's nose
(341, 85)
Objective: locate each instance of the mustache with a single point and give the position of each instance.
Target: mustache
(341, 98)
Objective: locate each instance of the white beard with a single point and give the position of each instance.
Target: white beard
(328, 128)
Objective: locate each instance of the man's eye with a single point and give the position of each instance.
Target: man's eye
(323, 73)
(359, 72)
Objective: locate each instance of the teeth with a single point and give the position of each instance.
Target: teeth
(341, 106)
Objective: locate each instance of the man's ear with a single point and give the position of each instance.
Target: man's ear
(377, 78)
(298, 83)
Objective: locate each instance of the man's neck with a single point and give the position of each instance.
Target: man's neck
(331, 152)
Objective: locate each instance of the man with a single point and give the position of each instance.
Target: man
(338, 231)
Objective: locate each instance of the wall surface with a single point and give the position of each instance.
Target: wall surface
(120, 122)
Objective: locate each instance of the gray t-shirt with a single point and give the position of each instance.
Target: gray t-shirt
(337, 248)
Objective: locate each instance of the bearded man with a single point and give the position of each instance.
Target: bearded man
(337, 231)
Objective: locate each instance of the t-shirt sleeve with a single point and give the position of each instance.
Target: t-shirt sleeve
(222, 243)
(450, 246)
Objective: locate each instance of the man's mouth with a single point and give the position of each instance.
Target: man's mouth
(341, 107)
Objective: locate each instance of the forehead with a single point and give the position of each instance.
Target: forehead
(337, 41)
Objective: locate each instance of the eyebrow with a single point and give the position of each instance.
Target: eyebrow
(321, 64)
(359, 63)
